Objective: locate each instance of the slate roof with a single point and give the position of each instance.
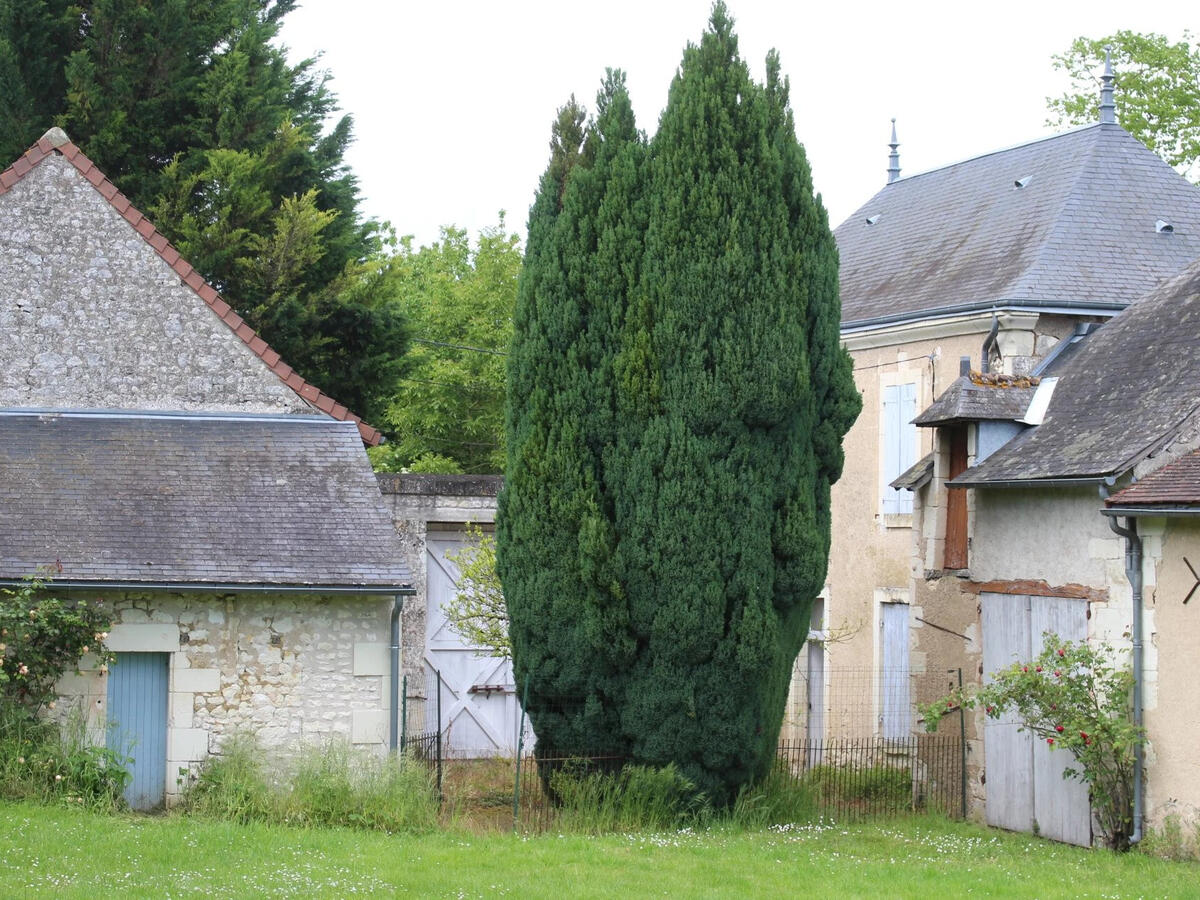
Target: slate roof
(974, 398)
(1123, 394)
(1080, 233)
(1175, 484)
(916, 475)
(127, 497)
(55, 141)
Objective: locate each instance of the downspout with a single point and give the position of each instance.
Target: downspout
(394, 705)
(1133, 571)
(985, 362)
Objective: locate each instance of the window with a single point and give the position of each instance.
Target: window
(899, 443)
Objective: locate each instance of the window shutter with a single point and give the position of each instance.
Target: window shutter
(908, 440)
(891, 448)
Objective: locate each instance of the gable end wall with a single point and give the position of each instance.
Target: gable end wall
(92, 317)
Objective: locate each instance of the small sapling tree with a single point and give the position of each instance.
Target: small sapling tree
(1074, 697)
(477, 611)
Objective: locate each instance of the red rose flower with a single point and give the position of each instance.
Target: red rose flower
(1058, 728)
(1050, 741)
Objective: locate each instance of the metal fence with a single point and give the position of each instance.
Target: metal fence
(851, 738)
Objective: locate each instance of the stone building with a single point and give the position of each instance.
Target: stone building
(1086, 522)
(1002, 260)
(158, 455)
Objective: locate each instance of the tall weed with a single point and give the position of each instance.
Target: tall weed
(779, 799)
(330, 785)
(637, 798)
(53, 762)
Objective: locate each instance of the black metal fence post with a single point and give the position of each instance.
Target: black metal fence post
(520, 753)
(438, 677)
(962, 740)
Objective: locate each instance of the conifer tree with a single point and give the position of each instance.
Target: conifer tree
(677, 400)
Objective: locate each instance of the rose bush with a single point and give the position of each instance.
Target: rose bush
(1073, 696)
(42, 636)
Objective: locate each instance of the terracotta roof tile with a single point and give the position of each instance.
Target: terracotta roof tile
(69, 151)
(1175, 484)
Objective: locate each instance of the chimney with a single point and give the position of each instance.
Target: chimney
(964, 365)
(894, 157)
(1108, 109)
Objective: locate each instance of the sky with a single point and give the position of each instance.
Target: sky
(453, 101)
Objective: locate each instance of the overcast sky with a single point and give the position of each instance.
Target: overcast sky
(453, 100)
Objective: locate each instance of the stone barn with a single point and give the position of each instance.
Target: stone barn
(159, 456)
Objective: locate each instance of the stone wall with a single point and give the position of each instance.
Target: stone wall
(420, 504)
(92, 317)
(288, 669)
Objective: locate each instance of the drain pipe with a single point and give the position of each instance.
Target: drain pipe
(1133, 571)
(985, 358)
(394, 710)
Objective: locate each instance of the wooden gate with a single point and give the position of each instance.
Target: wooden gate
(137, 724)
(1025, 787)
(480, 714)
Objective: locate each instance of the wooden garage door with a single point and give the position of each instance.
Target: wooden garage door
(480, 713)
(1025, 787)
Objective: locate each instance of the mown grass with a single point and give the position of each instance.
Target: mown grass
(68, 853)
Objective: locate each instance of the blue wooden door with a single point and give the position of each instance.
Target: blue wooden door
(137, 724)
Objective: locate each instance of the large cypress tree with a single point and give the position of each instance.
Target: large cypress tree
(677, 397)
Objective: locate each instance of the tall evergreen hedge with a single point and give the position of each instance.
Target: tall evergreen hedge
(677, 398)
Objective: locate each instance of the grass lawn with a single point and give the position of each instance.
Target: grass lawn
(64, 853)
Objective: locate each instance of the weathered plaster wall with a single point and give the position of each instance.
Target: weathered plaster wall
(1172, 711)
(1055, 534)
(288, 670)
(92, 317)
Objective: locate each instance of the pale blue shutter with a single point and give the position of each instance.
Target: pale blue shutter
(899, 444)
(908, 441)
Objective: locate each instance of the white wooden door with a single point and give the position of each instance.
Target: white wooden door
(480, 714)
(895, 715)
(1025, 787)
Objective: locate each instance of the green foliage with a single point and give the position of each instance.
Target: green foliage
(191, 107)
(41, 637)
(1157, 96)
(1075, 697)
(332, 785)
(52, 762)
(449, 404)
(637, 798)
(779, 799)
(477, 611)
(677, 398)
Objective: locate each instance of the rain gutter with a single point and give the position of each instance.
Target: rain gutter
(1072, 307)
(212, 587)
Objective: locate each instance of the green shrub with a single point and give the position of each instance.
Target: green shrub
(636, 798)
(886, 786)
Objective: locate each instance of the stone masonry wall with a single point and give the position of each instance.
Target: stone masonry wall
(419, 503)
(91, 317)
(289, 670)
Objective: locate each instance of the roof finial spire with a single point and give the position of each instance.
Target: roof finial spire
(894, 157)
(1108, 109)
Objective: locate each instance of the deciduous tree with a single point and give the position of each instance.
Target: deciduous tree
(1157, 97)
